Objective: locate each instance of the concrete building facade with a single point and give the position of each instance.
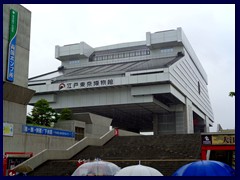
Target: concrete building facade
(16, 94)
(154, 85)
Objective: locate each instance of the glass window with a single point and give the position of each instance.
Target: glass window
(109, 56)
(115, 56)
(132, 54)
(104, 57)
(166, 50)
(199, 87)
(120, 55)
(138, 53)
(143, 52)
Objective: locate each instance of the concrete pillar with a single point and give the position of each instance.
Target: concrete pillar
(155, 124)
(189, 116)
(164, 123)
(180, 125)
(206, 122)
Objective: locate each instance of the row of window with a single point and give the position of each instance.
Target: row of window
(167, 50)
(122, 55)
(74, 62)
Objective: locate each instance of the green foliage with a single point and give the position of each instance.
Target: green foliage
(42, 113)
(29, 119)
(232, 94)
(66, 114)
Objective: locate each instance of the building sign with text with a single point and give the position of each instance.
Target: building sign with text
(223, 140)
(47, 131)
(218, 139)
(86, 84)
(13, 27)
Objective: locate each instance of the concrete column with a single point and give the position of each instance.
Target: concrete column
(180, 125)
(189, 116)
(148, 39)
(164, 123)
(155, 124)
(206, 122)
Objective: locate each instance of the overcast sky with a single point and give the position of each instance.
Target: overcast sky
(209, 28)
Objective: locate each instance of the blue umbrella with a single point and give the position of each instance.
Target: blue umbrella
(205, 168)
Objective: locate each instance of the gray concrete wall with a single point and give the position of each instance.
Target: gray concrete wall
(127, 133)
(100, 96)
(185, 76)
(35, 143)
(96, 130)
(69, 125)
(49, 154)
(94, 125)
(14, 110)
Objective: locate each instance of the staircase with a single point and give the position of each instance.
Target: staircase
(163, 152)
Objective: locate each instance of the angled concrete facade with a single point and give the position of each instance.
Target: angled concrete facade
(154, 85)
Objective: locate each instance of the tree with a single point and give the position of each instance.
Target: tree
(66, 114)
(29, 119)
(43, 114)
(232, 94)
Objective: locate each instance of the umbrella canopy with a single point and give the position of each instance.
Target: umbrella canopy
(138, 170)
(23, 168)
(96, 168)
(205, 168)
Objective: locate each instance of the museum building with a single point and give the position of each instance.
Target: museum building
(156, 85)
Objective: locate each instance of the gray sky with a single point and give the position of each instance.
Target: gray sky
(209, 28)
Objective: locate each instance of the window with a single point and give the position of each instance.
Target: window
(138, 53)
(127, 54)
(115, 56)
(199, 87)
(132, 54)
(166, 50)
(74, 62)
(143, 52)
(104, 57)
(120, 55)
(109, 56)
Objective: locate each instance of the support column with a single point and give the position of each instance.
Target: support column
(155, 124)
(164, 123)
(180, 119)
(189, 116)
(206, 122)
